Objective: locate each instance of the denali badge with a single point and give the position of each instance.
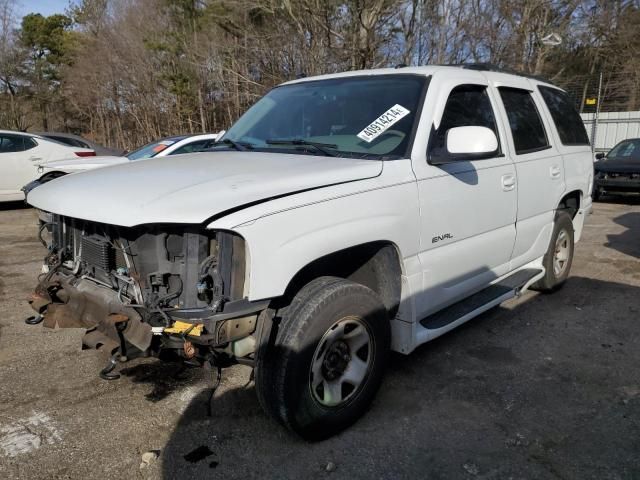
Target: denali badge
(445, 236)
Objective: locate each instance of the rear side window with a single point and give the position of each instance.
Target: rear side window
(526, 125)
(72, 142)
(467, 105)
(29, 143)
(66, 141)
(568, 122)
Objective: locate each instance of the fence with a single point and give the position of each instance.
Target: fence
(610, 128)
(609, 104)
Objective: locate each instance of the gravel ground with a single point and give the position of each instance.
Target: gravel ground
(546, 386)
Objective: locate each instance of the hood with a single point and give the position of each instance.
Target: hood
(191, 188)
(79, 164)
(618, 165)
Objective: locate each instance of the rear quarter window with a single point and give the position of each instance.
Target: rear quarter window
(65, 140)
(29, 143)
(567, 120)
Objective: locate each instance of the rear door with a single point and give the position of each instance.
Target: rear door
(539, 166)
(468, 208)
(571, 138)
(18, 162)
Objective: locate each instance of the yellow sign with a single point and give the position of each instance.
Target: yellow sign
(590, 101)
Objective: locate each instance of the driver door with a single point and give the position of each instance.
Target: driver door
(468, 207)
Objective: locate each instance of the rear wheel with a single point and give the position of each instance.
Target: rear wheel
(557, 261)
(326, 359)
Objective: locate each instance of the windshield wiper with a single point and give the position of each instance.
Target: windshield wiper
(320, 147)
(240, 146)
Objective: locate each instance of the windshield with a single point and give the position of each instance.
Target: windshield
(151, 149)
(628, 150)
(366, 117)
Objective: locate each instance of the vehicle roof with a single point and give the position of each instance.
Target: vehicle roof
(15, 132)
(61, 134)
(488, 70)
(193, 136)
(175, 138)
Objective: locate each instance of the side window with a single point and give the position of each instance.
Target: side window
(29, 143)
(526, 125)
(78, 143)
(65, 140)
(467, 105)
(72, 142)
(191, 147)
(568, 122)
(12, 143)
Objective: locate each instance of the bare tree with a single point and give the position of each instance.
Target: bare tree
(136, 70)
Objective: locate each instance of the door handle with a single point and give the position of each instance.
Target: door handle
(35, 159)
(508, 182)
(555, 171)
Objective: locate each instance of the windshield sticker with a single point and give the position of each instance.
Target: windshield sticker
(383, 123)
(166, 142)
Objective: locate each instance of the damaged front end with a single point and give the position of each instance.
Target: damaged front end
(149, 290)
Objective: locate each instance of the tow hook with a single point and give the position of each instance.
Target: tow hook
(105, 373)
(34, 319)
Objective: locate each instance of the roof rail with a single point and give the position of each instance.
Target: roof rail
(490, 67)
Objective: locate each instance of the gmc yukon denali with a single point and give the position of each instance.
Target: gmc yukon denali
(340, 218)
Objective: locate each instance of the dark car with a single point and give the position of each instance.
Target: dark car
(81, 142)
(618, 171)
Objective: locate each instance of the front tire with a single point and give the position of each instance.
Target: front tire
(326, 359)
(559, 257)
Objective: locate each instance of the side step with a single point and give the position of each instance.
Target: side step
(490, 296)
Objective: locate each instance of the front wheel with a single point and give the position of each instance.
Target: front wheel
(326, 359)
(557, 261)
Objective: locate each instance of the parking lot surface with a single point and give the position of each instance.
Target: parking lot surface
(545, 386)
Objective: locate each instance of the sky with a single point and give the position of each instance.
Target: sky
(45, 7)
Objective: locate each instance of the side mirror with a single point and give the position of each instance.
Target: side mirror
(470, 142)
(600, 156)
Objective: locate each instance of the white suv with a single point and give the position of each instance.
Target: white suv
(341, 217)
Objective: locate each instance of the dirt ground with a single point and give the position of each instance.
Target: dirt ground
(546, 386)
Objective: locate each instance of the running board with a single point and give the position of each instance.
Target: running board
(482, 301)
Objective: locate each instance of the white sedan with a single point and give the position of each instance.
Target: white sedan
(20, 156)
(175, 145)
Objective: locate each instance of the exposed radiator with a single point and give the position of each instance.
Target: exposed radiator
(97, 252)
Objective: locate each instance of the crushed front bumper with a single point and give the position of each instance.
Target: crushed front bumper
(66, 301)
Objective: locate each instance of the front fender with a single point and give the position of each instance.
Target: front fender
(291, 236)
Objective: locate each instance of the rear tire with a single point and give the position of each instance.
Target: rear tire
(557, 261)
(326, 358)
